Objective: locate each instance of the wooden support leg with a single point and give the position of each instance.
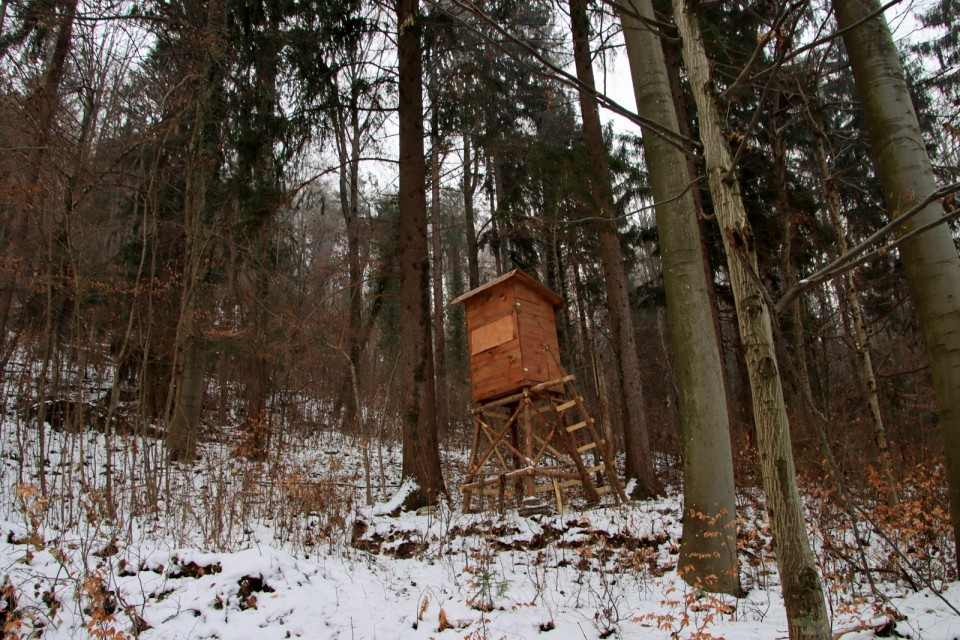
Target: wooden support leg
(529, 482)
(517, 461)
(472, 464)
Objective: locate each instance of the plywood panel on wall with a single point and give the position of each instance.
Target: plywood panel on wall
(493, 333)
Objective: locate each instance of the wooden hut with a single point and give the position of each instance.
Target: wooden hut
(512, 335)
(532, 427)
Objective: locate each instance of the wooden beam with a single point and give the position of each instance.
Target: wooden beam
(537, 388)
(578, 426)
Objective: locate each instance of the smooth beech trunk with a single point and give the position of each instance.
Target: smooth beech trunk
(639, 462)
(708, 554)
(930, 260)
(421, 452)
(802, 591)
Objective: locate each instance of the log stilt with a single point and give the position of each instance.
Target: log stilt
(531, 443)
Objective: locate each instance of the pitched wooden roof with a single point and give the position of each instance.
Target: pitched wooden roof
(552, 297)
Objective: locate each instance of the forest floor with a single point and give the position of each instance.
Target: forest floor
(287, 548)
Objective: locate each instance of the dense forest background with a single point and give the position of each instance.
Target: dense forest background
(243, 222)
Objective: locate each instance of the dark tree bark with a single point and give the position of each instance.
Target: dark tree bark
(260, 232)
(185, 398)
(421, 452)
(469, 190)
(639, 462)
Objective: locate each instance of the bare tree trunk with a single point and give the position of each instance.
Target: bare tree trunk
(469, 190)
(500, 243)
(421, 451)
(639, 461)
(348, 128)
(930, 260)
(183, 426)
(187, 379)
(439, 338)
(261, 232)
(791, 318)
(709, 547)
(802, 592)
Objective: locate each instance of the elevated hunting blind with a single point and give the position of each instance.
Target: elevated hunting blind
(512, 335)
(532, 429)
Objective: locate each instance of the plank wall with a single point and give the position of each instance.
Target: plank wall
(517, 321)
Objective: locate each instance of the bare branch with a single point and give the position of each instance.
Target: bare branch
(553, 71)
(852, 258)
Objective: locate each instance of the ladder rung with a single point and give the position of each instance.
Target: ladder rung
(587, 447)
(599, 467)
(576, 427)
(566, 405)
(604, 489)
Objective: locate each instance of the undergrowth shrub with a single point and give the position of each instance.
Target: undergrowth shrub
(910, 544)
(919, 528)
(312, 509)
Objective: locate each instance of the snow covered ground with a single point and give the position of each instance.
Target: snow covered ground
(232, 549)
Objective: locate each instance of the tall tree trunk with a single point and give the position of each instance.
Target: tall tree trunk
(500, 243)
(708, 554)
(639, 461)
(585, 348)
(421, 451)
(346, 122)
(930, 260)
(187, 378)
(802, 592)
(469, 189)
(264, 176)
(791, 319)
(182, 429)
(436, 245)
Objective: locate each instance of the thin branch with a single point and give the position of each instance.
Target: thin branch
(759, 50)
(852, 259)
(663, 30)
(680, 142)
(906, 560)
(824, 40)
